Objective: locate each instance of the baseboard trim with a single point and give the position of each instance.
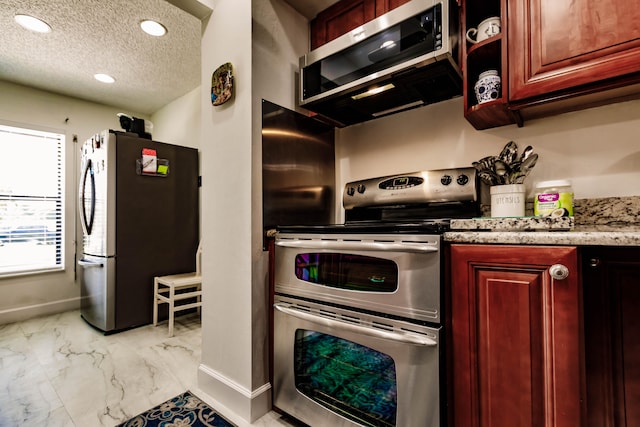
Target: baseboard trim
(248, 404)
(19, 314)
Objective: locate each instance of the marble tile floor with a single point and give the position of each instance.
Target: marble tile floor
(58, 371)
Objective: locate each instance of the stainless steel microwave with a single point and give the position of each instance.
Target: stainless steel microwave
(403, 59)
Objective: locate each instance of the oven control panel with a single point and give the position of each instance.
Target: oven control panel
(434, 186)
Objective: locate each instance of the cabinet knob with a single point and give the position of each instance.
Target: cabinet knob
(594, 262)
(559, 272)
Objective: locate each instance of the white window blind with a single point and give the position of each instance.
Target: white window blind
(31, 200)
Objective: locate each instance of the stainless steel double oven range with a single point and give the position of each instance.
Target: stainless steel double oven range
(358, 307)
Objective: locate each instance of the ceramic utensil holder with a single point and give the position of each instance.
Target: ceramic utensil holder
(507, 200)
(488, 86)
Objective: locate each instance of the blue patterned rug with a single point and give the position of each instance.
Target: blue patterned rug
(181, 411)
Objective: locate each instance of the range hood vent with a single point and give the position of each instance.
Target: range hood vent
(413, 88)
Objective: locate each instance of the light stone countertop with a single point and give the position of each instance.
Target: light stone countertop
(612, 221)
(574, 237)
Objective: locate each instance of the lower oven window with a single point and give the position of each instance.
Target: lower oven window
(351, 380)
(347, 271)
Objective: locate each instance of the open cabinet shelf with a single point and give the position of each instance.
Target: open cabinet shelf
(489, 54)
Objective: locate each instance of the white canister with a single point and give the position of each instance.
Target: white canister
(487, 28)
(553, 198)
(507, 200)
(488, 86)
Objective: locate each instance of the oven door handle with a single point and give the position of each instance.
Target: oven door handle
(417, 247)
(402, 337)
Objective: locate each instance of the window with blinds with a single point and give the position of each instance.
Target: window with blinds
(31, 200)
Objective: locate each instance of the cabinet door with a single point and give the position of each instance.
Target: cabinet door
(339, 19)
(384, 6)
(612, 336)
(516, 337)
(557, 45)
(346, 15)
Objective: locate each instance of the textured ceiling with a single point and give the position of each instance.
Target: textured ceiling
(103, 36)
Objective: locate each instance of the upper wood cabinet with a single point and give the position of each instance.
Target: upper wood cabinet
(559, 46)
(553, 56)
(384, 6)
(516, 336)
(346, 15)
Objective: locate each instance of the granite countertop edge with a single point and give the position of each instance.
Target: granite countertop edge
(608, 221)
(596, 236)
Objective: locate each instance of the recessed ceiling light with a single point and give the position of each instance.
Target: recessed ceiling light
(104, 78)
(153, 28)
(33, 24)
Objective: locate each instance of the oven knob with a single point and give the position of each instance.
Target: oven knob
(351, 191)
(361, 188)
(446, 180)
(462, 179)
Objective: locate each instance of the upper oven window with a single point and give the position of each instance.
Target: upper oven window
(355, 381)
(347, 271)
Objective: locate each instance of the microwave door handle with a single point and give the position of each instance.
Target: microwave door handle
(359, 246)
(404, 338)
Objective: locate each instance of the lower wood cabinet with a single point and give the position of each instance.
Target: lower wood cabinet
(612, 335)
(516, 336)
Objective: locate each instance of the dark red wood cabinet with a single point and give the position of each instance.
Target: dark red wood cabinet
(612, 335)
(345, 16)
(557, 46)
(553, 57)
(516, 337)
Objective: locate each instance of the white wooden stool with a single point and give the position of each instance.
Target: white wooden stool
(165, 287)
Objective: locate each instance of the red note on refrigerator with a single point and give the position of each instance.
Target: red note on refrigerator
(149, 160)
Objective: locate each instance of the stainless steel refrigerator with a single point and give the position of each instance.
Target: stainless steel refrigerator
(139, 215)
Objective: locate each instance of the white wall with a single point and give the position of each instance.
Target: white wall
(596, 149)
(280, 37)
(179, 122)
(234, 366)
(226, 371)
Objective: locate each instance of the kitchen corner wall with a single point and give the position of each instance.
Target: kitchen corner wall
(597, 149)
(229, 340)
(263, 40)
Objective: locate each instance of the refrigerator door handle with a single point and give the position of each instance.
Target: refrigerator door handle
(87, 225)
(88, 264)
